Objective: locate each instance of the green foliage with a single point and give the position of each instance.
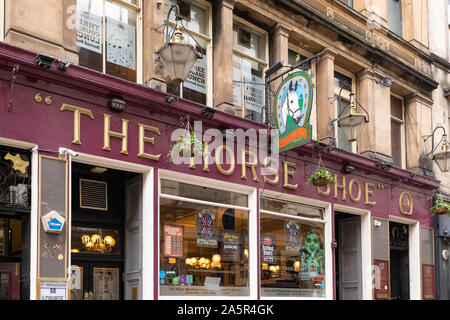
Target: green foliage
(187, 146)
(321, 173)
(440, 207)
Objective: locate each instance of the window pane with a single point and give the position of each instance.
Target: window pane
(342, 140)
(396, 143)
(292, 258)
(199, 18)
(203, 250)
(254, 89)
(121, 41)
(95, 241)
(237, 78)
(394, 16)
(341, 80)
(249, 42)
(290, 208)
(396, 108)
(294, 58)
(90, 33)
(195, 86)
(426, 236)
(202, 193)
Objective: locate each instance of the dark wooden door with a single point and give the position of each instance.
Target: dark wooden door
(9, 281)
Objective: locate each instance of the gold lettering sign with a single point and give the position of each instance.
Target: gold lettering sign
(143, 140)
(108, 133)
(252, 165)
(405, 203)
(288, 174)
(276, 178)
(219, 152)
(350, 190)
(342, 187)
(77, 112)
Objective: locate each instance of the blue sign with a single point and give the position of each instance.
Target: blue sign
(162, 274)
(55, 225)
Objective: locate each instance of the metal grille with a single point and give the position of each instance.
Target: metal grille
(93, 195)
(15, 179)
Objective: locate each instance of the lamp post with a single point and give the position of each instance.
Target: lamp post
(442, 159)
(352, 122)
(178, 57)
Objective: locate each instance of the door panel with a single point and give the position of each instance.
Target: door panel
(9, 281)
(349, 241)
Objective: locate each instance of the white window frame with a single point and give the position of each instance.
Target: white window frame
(252, 227)
(328, 235)
(265, 62)
(2, 20)
(139, 35)
(402, 129)
(209, 50)
(345, 95)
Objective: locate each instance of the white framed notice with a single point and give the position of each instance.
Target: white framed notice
(53, 290)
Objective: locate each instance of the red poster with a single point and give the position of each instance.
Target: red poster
(381, 277)
(429, 287)
(173, 241)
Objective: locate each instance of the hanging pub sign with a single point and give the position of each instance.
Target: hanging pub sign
(206, 229)
(291, 231)
(292, 109)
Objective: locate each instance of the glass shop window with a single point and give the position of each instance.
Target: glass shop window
(197, 84)
(15, 179)
(292, 249)
(107, 36)
(203, 247)
(10, 238)
(249, 62)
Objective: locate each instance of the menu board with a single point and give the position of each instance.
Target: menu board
(428, 282)
(173, 241)
(267, 249)
(381, 279)
(230, 246)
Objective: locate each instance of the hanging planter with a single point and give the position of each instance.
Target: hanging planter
(321, 177)
(440, 207)
(187, 146)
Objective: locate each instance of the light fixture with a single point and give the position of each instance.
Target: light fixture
(100, 170)
(204, 263)
(208, 112)
(178, 57)
(442, 159)
(352, 123)
(117, 105)
(44, 61)
(348, 168)
(274, 68)
(385, 82)
(98, 244)
(63, 65)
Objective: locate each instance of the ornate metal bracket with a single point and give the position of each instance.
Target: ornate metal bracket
(11, 81)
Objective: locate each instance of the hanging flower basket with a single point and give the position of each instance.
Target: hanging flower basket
(440, 207)
(321, 178)
(187, 146)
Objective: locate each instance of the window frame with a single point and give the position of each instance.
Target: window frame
(402, 129)
(139, 37)
(345, 95)
(264, 63)
(209, 50)
(253, 272)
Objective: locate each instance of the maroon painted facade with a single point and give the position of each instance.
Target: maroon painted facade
(50, 128)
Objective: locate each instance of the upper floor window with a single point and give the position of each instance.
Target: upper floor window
(107, 36)
(347, 2)
(394, 16)
(198, 85)
(347, 83)
(397, 131)
(250, 54)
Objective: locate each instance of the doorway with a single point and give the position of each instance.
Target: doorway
(348, 262)
(101, 216)
(399, 260)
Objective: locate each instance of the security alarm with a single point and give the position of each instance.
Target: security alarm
(377, 223)
(445, 254)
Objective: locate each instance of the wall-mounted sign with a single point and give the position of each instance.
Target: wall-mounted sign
(382, 281)
(405, 203)
(428, 281)
(53, 290)
(207, 229)
(89, 31)
(53, 222)
(173, 241)
(292, 109)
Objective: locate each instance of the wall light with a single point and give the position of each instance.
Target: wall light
(442, 159)
(208, 112)
(117, 105)
(44, 61)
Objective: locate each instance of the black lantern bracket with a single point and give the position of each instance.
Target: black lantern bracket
(433, 148)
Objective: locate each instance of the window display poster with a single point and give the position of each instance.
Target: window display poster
(196, 79)
(312, 258)
(207, 229)
(291, 232)
(89, 31)
(121, 44)
(173, 241)
(382, 281)
(53, 290)
(231, 246)
(268, 249)
(428, 282)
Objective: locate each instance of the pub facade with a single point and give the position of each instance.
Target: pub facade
(96, 205)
